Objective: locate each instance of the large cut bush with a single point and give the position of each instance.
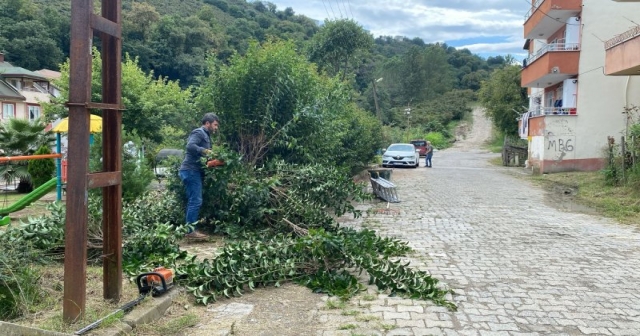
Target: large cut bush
(273, 104)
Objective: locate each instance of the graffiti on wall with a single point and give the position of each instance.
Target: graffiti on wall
(560, 148)
(560, 139)
(561, 144)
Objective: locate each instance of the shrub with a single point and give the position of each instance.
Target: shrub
(41, 170)
(275, 106)
(437, 140)
(136, 174)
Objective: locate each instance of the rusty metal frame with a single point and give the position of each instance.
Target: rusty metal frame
(108, 27)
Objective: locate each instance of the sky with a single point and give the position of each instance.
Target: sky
(486, 27)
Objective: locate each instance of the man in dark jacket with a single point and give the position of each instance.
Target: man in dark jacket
(192, 170)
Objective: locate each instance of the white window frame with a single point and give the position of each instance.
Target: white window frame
(5, 112)
(36, 108)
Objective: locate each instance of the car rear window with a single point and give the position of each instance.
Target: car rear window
(419, 143)
(401, 148)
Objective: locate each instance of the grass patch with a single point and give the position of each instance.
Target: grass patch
(48, 314)
(619, 202)
(350, 326)
(387, 326)
(169, 327)
(336, 304)
(495, 144)
(496, 161)
(350, 312)
(369, 297)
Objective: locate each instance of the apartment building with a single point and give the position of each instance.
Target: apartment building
(22, 91)
(573, 106)
(623, 50)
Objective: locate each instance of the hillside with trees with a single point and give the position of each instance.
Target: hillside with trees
(177, 41)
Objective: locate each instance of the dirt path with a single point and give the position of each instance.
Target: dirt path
(480, 133)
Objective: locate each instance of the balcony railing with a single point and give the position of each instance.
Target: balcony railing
(622, 38)
(556, 46)
(538, 111)
(533, 8)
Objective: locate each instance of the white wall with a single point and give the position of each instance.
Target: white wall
(601, 99)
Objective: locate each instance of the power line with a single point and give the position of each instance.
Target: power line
(339, 10)
(346, 13)
(325, 9)
(349, 2)
(334, 13)
(635, 23)
(592, 70)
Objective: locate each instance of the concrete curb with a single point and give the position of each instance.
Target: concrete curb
(11, 329)
(144, 315)
(140, 315)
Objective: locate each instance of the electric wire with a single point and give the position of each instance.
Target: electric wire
(352, 16)
(346, 12)
(332, 12)
(339, 10)
(326, 10)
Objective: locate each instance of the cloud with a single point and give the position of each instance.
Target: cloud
(450, 21)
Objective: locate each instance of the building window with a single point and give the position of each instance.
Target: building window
(16, 83)
(34, 112)
(8, 110)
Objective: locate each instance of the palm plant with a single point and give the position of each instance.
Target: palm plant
(21, 137)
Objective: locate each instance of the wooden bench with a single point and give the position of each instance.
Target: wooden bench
(384, 189)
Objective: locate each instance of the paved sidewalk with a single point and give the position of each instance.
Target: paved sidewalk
(518, 266)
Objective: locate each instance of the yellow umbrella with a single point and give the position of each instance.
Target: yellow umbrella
(95, 125)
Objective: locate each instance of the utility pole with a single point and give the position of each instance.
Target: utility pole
(408, 112)
(375, 98)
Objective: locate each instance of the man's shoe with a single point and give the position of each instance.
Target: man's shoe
(196, 235)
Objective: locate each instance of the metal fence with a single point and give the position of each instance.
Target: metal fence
(624, 37)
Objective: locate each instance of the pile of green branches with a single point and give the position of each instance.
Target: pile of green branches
(279, 224)
(325, 261)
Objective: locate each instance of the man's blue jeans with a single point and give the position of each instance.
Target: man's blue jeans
(427, 159)
(192, 181)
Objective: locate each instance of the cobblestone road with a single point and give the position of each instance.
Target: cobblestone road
(518, 266)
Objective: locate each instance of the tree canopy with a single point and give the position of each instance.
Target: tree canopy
(503, 97)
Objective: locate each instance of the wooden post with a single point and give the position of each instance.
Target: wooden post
(112, 158)
(623, 149)
(633, 150)
(75, 258)
(83, 25)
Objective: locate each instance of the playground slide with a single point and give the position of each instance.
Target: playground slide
(28, 199)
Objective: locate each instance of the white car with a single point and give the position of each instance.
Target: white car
(401, 154)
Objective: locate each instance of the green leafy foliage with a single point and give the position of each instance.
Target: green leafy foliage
(136, 173)
(501, 95)
(151, 102)
(337, 43)
(274, 105)
(238, 197)
(21, 137)
(41, 170)
(43, 232)
(437, 139)
(320, 260)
